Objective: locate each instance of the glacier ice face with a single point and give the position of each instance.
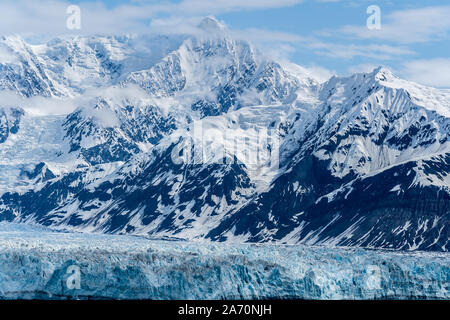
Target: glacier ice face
(34, 264)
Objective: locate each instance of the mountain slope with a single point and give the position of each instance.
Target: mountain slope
(210, 139)
(368, 166)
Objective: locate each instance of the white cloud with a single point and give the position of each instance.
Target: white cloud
(261, 35)
(49, 16)
(364, 67)
(350, 51)
(190, 25)
(433, 72)
(222, 6)
(38, 105)
(6, 55)
(175, 25)
(407, 26)
(319, 73)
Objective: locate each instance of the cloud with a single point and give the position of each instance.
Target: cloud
(262, 35)
(49, 17)
(38, 105)
(350, 51)
(407, 26)
(319, 73)
(190, 25)
(223, 6)
(6, 55)
(433, 72)
(362, 68)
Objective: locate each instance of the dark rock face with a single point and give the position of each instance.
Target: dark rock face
(119, 143)
(381, 211)
(9, 122)
(37, 205)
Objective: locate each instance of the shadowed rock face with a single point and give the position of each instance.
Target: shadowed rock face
(9, 122)
(370, 212)
(364, 160)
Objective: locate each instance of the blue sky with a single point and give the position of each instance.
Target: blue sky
(327, 36)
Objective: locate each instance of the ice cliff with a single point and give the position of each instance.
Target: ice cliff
(36, 263)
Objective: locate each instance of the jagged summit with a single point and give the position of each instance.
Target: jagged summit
(383, 73)
(211, 24)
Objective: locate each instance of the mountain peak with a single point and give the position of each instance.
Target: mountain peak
(383, 74)
(210, 24)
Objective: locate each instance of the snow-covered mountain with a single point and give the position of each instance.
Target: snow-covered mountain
(204, 137)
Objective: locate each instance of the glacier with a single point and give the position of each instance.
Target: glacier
(35, 263)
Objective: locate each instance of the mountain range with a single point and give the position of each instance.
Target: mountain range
(206, 138)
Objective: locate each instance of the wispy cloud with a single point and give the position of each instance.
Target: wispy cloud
(49, 16)
(432, 72)
(364, 67)
(350, 51)
(320, 73)
(38, 105)
(222, 6)
(269, 35)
